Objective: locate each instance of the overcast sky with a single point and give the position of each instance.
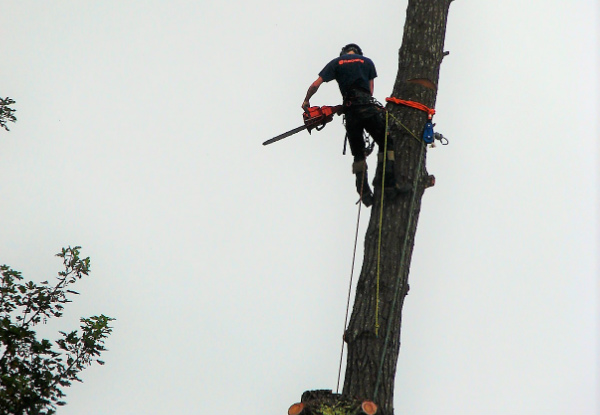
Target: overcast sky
(226, 263)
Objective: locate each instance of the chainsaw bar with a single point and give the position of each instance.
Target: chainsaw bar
(314, 118)
(284, 135)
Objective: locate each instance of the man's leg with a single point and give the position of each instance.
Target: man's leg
(354, 131)
(359, 168)
(375, 126)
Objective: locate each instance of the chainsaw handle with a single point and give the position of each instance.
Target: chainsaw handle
(317, 117)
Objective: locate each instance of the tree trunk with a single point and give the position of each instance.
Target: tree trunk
(373, 351)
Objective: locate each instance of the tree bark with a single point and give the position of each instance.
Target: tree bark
(373, 351)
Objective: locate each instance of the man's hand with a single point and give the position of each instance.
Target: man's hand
(312, 89)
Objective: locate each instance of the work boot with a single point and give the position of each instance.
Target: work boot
(359, 168)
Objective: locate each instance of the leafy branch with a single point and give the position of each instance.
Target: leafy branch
(6, 113)
(32, 372)
(44, 302)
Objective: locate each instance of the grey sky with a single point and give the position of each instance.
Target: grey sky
(226, 263)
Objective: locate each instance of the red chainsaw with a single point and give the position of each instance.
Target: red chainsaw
(314, 118)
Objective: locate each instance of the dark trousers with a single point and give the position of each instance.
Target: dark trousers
(362, 114)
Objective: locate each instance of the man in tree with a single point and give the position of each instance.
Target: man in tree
(355, 76)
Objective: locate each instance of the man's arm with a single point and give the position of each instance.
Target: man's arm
(312, 89)
(372, 86)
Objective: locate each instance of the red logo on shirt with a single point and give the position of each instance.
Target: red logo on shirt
(343, 61)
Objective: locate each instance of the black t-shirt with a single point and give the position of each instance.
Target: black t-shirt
(350, 71)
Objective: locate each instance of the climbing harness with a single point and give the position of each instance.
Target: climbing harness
(369, 144)
(353, 100)
(368, 140)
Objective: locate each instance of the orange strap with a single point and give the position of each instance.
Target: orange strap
(413, 104)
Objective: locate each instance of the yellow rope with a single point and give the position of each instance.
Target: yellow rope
(381, 225)
(378, 245)
(405, 127)
(402, 259)
(403, 255)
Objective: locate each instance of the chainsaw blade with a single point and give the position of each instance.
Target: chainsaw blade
(284, 135)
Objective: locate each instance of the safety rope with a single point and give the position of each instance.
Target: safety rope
(430, 111)
(351, 276)
(380, 225)
(398, 280)
(413, 135)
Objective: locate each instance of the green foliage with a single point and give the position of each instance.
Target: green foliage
(32, 372)
(324, 402)
(342, 408)
(6, 113)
